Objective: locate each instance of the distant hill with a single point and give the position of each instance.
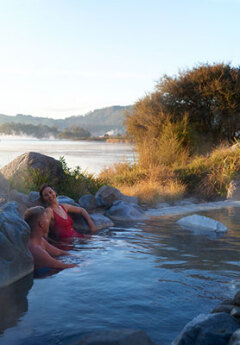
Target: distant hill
(98, 122)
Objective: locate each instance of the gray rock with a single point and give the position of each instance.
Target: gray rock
(222, 308)
(21, 199)
(106, 195)
(22, 165)
(81, 225)
(123, 211)
(15, 259)
(235, 338)
(34, 196)
(233, 192)
(62, 199)
(115, 337)
(236, 299)
(235, 312)
(88, 202)
(212, 329)
(201, 222)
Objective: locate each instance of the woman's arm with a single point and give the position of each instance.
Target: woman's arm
(83, 212)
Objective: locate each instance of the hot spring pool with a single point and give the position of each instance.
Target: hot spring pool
(152, 276)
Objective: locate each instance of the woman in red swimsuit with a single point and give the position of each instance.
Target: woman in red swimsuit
(63, 224)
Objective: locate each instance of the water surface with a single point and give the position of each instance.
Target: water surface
(151, 275)
(90, 155)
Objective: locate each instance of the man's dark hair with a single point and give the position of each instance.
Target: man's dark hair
(32, 215)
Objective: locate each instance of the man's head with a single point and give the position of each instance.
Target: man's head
(37, 218)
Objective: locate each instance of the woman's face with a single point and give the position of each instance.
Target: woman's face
(49, 195)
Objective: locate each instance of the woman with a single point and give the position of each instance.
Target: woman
(63, 224)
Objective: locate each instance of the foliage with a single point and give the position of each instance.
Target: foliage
(74, 133)
(39, 131)
(203, 103)
(210, 176)
(74, 184)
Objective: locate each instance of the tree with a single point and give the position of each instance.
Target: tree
(208, 96)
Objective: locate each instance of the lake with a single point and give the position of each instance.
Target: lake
(90, 155)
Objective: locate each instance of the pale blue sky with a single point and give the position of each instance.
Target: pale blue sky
(67, 57)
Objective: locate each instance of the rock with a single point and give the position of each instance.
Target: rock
(123, 211)
(235, 338)
(88, 202)
(112, 337)
(16, 260)
(62, 199)
(21, 199)
(236, 299)
(22, 165)
(4, 189)
(212, 329)
(235, 312)
(201, 222)
(81, 225)
(233, 192)
(222, 308)
(162, 205)
(34, 197)
(185, 202)
(106, 195)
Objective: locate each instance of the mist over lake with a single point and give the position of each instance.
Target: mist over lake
(90, 155)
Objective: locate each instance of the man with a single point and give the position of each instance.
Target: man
(38, 218)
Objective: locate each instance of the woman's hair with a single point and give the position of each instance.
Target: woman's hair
(43, 186)
(32, 215)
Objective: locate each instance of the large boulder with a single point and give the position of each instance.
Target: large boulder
(211, 329)
(235, 338)
(4, 189)
(81, 225)
(62, 199)
(15, 259)
(106, 195)
(22, 166)
(111, 337)
(123, 211)
(233, 192)
(201, 223)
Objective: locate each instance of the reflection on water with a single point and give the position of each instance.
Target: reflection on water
(90, 155)
(153, 276)
(13, 302)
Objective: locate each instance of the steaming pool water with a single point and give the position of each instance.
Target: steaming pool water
(152, 276)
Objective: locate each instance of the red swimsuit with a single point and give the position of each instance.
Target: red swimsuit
(63, 228)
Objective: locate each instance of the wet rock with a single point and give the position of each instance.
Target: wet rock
(235, 338)
(236, 299)
(88, 202)
(201, 222)
(34, 197)
(235, 312)
(81, 225)
(123, 211)
(15, 259)
(114, 337)
(233, 192)
(222, 308)
(212, 329)
(22, 166)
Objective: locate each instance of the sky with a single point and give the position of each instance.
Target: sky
(67, 57)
